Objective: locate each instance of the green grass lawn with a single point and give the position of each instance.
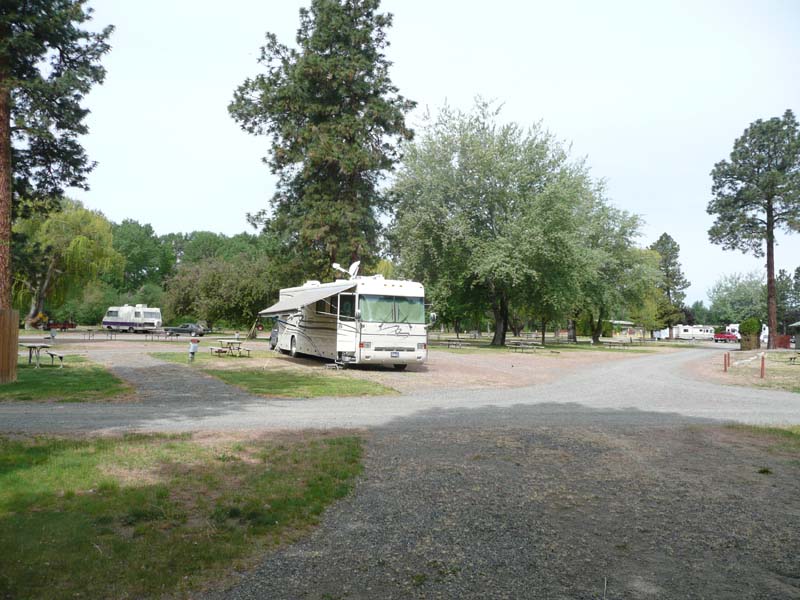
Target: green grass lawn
(279, 382)
(288, 383)
(79, 381)
(146, 516)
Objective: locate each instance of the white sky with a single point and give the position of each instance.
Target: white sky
(653, 94)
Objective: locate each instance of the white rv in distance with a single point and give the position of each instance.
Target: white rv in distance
(132, 318)
(361, 320)
(686, 332)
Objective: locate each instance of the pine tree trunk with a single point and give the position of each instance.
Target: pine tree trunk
(6, 176)
(544, 329)
(772, 304)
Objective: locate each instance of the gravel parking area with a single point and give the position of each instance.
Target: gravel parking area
(552, 502)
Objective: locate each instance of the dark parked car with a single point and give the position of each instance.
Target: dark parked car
(192, 328)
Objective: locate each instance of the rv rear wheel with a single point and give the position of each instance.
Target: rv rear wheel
(130, 329)
(293, 347)
(400, 367)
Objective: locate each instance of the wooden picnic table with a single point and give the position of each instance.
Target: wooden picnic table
(230, 347)
(34, 348)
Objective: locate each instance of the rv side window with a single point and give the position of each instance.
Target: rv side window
(347, 306)
(137, 314)
(329, 306)
(112, 313)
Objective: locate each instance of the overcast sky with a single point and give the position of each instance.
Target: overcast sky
(652, 94)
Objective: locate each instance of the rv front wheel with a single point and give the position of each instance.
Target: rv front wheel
(293, 347)
(400, 367)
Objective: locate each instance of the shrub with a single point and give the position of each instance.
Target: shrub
(750, 326)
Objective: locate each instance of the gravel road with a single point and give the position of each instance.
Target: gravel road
(173, 398)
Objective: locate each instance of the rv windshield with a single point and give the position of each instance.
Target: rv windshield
(391, 309)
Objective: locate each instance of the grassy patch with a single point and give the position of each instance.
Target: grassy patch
(290, 383)
(144, 516)
(780, 374)
(79, 381)
(786, 437)
(205, 358)
(548, 349)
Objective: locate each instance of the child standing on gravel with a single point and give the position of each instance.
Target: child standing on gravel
(193, 344)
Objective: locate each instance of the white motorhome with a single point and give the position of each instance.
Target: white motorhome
(132, 318)
(361, 320)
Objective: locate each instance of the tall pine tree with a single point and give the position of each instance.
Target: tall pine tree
(756, 193)
(334, 119)
(673, 282)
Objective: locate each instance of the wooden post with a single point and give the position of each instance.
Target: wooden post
(763, 365)
(725, 363)
(9, 337)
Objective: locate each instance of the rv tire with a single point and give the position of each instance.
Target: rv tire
(130, 330)
(399, 367)
(293, 347)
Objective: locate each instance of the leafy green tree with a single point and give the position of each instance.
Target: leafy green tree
(201, 245)
(218, 289)
(618, 276)
(757, 192)
(672, 283)
(737, 297)
(72, 247)
(486, 217)
(334, 119)
(48, 63)
(147, 260)
(700, 314)
(787, 299)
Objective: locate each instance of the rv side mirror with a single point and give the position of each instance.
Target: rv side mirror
(358, 314)
(432, 318)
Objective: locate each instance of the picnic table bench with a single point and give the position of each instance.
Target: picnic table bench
(793, 359)
(218, 350)
(56, 355)
(88, 334)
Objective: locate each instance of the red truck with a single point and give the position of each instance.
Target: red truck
(726, 337)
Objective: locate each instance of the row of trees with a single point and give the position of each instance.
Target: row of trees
(72, 264)
(736, 297)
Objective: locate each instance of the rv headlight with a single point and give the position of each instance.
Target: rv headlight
(422, 346)
(366, 345)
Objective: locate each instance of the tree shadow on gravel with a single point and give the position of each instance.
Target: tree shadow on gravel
(552, 501)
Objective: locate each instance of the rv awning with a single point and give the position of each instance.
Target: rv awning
(301, 298)
(795, 324)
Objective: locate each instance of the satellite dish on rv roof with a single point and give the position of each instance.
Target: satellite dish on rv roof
(352, 271)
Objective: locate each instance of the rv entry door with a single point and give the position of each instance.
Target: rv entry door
(346, 333)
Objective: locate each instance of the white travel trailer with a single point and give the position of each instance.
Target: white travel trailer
(132, 318)
(361, 320)
(687, 332)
